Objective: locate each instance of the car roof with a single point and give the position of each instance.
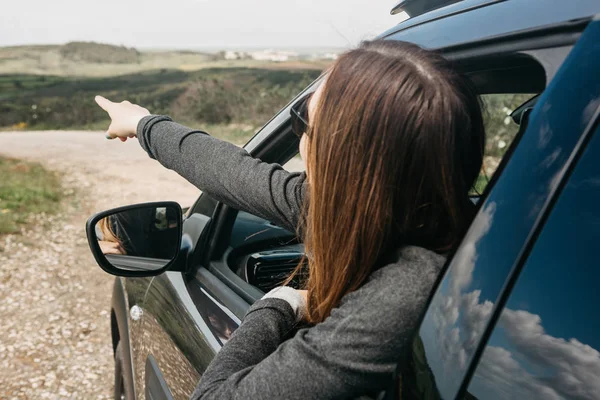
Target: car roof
(473, 20)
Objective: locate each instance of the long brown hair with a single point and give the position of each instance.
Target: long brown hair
(394, 147)
(108, 234)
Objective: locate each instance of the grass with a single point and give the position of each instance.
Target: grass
(25, 189)
(232, 96)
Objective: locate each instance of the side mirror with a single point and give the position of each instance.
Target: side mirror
(137, 240)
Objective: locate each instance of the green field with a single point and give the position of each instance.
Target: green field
(238, 97)
(53, 87)
(25, 189)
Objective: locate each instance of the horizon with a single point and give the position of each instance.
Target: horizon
(200, 49)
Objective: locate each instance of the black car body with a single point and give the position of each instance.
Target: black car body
(513, 316)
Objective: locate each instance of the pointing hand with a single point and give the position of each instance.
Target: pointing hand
(124, 118)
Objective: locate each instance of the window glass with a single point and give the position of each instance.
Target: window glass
(546, 344)
(205, 205)
(500, 130)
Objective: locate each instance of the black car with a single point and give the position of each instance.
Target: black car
(514, 314)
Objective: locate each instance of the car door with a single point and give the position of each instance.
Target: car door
(128, 297)
(473, 293)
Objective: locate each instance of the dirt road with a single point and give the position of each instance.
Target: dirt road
(54, 299)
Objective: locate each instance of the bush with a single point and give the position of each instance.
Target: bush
(499, 127)
(99, 53)
(212, 96)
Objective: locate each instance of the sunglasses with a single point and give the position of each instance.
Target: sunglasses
(299, 115)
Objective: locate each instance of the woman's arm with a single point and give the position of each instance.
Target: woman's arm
(354, 352)
(225, 171)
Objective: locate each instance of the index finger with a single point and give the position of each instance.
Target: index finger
(104, 103)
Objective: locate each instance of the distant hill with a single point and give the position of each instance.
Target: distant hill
(99, 53)
(99, 60)
(92, 59)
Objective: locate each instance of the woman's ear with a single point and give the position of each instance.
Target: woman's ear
(303, 149)
(314, 101)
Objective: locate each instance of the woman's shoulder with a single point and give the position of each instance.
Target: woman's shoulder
(411, 262)
(381, 316)
(403, 282)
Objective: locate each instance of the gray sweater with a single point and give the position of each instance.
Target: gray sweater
(356, 350)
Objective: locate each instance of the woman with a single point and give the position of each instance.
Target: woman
(393, 142)
(107, 239)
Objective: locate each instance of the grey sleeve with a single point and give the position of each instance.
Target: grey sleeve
(224, 171)
(353, 353)
(266, 324)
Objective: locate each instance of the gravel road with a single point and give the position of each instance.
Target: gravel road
(55, 300)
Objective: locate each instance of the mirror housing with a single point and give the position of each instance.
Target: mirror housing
(138, 240)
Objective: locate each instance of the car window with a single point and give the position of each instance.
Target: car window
(546, 343)
(500, 131)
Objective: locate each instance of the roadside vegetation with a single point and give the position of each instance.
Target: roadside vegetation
(26, 189)
(500, 128)
(236, 99)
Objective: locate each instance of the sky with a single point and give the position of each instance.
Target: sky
(196, 24)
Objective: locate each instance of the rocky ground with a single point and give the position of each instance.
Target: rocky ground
(54, 299)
